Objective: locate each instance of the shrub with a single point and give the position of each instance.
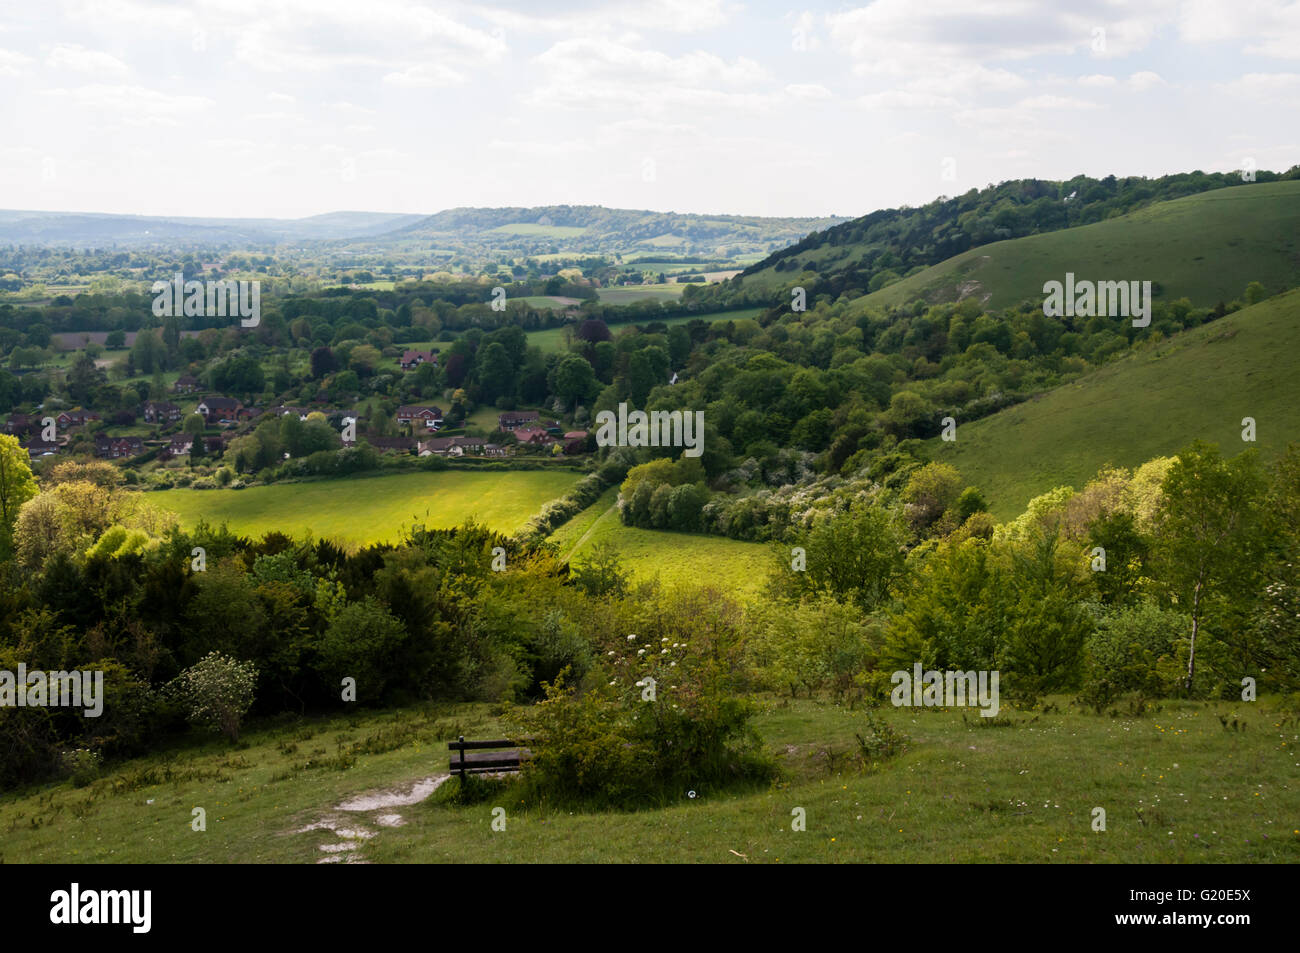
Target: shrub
(217, 692)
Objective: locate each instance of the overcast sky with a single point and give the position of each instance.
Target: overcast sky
(283, 109)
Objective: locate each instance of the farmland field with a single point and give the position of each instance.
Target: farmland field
(628, 293)
(362, 510)
(675, 558)
(552, 339)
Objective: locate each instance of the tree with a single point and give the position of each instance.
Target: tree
(195, 425)
(855, 556)
(322, 362)
(1208, 536)
(573, 379)
(496, 373)
(16, 487)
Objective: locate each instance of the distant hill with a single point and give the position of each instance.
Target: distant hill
(1204, 247)
(1150, 403)
(93, 228)
(595, 229)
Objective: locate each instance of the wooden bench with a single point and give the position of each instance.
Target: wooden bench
(492, 756)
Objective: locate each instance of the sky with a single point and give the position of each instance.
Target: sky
(288, 108)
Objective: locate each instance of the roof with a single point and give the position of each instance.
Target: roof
(418, 410)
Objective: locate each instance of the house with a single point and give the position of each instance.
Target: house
(20, 424)
(180, 444)
(247, 413)
(284, 410)
(533, 436)
(514, 419)
(413, 359)
(217, 410)
(215, 444)
(36, 447)
(575, 441)
(390, 444)
(160, 412)
(493, 450)
(185, 384)
(442, 446)
(419, 417)
(114, 448)
(75, 418)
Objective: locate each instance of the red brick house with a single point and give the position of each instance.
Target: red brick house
(75, 418)
(217, 410)
(420, 417)
(413, 359)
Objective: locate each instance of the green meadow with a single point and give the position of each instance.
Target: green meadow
(361, 510)
(1180, 782)
(675, 559)
(1153, 402)
(553, 340)
(626, 294)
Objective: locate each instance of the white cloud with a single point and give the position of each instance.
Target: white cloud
(12, 62)
(1141, 82)
(1098, 81)
(71, 56)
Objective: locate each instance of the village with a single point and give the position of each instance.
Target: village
(198, 415)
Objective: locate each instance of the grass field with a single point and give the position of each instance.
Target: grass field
(1177, 788)
(552, 339)
(376, 508)
(1200, 383)
(550, 301)
(1206, 247)
(629, 293)
(675, 558)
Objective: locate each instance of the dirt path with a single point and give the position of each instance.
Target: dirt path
(591, 529)
(379, 805)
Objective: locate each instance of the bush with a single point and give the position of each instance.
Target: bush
(82, 766)
(217, 692)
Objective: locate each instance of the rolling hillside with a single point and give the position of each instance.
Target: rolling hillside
(1205, 247)
(1151, 403)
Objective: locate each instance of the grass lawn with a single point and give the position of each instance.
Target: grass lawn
(675, 558)
(1177, 788)
(1151, 403)
(362, 510)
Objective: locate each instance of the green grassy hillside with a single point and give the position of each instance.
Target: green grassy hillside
(1177, 788)
(1206, 247)
(373, 509)
(1150, 403)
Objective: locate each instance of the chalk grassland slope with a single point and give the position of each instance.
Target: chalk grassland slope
(1205, 247)
(1151, 403)
(372, 509)
(677, 559)
(1177, 789)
